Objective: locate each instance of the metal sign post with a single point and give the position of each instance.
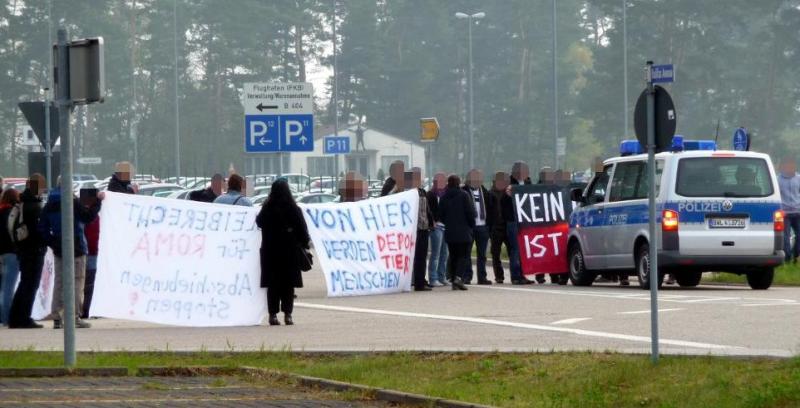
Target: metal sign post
(67, 218)
(651, 198)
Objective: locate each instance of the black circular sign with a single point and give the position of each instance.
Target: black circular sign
(665, 117)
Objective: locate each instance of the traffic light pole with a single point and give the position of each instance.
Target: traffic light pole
(67, 210)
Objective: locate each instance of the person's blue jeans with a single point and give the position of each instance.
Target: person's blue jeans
(437, 267)
(513, 251)
(9, 283)
(481, 240)
(792, 221)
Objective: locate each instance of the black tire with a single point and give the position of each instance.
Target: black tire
(689, 279)
(577, 267)
(761, 279)
(643, 267)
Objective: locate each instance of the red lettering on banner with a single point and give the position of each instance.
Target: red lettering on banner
(395, 249)
(168, 245)
(543, 249)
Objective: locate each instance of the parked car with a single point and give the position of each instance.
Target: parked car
(83, 177)
(179, 194)
(315, 198)
(152, 189)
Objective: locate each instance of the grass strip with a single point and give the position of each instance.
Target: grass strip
(785, 275)
(508, 380)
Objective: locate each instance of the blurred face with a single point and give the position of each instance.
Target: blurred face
(416, 178)
(396, 170)
(520, 171)
(216, 186)
(788, 167)
(475, 178)
(439, 181)
(500, 181)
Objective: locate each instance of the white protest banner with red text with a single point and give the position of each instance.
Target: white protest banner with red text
(366, 247)
(542, 214)
(178, 262)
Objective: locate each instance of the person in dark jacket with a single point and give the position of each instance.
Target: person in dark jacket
(208, 195)
(92, 232)
(484, 207)
(283, 234)
(121, 179)
(424, 227)
(457, 212)
(9, 267)
(394, 184)
(519, 171)
(30, 253)
(498, 235)
(437, 268)
(51, 230)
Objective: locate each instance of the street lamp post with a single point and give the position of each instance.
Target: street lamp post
(470, 17)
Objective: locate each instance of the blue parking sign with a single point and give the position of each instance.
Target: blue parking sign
(336, 145)
(278, 133)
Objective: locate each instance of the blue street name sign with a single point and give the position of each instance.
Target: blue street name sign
(336, 145)
(278, 133)
(741, 140)
(662, 73)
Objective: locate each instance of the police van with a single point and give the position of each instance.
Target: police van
(717, 211)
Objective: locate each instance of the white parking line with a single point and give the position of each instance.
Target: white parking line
(572, 321)
(648, 311)
(579, 332)
(662, 297)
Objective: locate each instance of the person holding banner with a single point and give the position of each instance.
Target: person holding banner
(437, 268)
(457, 212)
(234, 194)
(9, 267)
(30, 253)
(424, 226)
(394, 184)
(208, 195)
(284, 236)
(519, 172)
(483, 223)
(121, 179)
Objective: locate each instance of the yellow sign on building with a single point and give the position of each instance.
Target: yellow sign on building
(429, 129)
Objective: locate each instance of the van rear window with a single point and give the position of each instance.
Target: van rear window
(723, 177)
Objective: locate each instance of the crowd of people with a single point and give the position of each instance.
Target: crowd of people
(454, 218)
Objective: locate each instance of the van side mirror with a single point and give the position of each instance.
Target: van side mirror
(576, 194)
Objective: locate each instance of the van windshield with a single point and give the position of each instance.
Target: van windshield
(723, 177)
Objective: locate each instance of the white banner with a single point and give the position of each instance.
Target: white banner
(178, 262)
(367, 247)
(43, 302)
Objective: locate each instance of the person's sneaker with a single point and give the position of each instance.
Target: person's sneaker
(499, 281)
(445, 282)
(29, 325)
(624, 282)
(287, 318)
(670, 280)
(484, 282)
(423, 289)
(57, 324)
(82, 324)
(437, 284)
(458, 284)
(273, 320)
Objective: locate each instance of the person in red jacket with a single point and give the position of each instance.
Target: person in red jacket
(92, 232)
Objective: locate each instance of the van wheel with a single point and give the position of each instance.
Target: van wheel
(577, 267)
(643, 267)
(689, 279)
(760, 279)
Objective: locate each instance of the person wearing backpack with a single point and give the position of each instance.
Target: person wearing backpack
(9, 267)
(30, 253)
(50, 228)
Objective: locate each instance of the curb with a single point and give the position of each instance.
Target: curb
(380, 394)
(64, 372)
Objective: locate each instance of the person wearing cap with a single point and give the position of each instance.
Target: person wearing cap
(208, 195)
(121, 179)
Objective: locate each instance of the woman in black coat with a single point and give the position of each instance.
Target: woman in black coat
(457, 213)
(283, 233)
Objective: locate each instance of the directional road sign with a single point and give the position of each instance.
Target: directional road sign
(336, 145)
(662, 73)
(278, 117)
(741, 140)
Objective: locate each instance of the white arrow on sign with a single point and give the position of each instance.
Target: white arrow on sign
(264, 141)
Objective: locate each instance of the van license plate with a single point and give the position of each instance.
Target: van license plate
(726, 222)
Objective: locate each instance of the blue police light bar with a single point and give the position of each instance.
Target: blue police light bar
(677, 143)
(630, 147)
(699, 145)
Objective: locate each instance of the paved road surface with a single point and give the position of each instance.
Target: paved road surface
(195, 392)
(703, 320)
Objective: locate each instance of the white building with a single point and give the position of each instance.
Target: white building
(379, 150)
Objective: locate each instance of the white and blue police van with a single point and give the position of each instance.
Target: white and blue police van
(719, 211)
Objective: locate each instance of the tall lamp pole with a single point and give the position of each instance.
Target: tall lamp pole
(469, 18)
(177, 107)
(625, 67)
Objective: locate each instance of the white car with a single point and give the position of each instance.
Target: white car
(152, 189)
(717, 211)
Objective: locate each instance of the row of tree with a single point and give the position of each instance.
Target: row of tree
(399, 60)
